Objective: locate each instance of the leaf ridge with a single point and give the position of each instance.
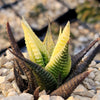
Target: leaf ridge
(60, 64)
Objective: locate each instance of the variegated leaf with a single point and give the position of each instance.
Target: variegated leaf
(60, 64)
(35, 46)
(60, 61)
(34, 53)
(62, 40)
(48, 41)
(45, 79)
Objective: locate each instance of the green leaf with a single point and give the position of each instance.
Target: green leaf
(60, 64)
(48, 41)
(62, 40)
(45, 79)
(37, 51)
(60, 61)
(34, 53)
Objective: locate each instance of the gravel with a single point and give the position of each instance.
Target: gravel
(88, 90)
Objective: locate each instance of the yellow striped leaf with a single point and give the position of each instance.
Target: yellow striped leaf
(60, 65)
(62, 40)
(36, 48)
(60, 62)
(48, 41)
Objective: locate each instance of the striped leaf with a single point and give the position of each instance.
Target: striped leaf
(48, 41)
(37, 51)
(23, 69)
(60, 61)
(82, 66)
(62, 40)
(34, 53)
(45, 79)
(60, 64)
(66, 89)
(78, 57)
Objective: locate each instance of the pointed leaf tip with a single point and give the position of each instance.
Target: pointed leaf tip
(8, 27)
(60, 61)
(48, 41)
(62, 40)
(36, 93)
(77, 58)
(67, 27)
(7, 24)
(67, 88)
(37, 51)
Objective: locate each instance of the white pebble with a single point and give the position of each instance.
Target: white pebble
(42, 93)
(9, 64)
(71, 98)
(82, 91)
(93, 64)
(91, 75)
(12, 93)
(9, 56)
(77, 97)
(2, 79)
(97, 83)
(5, 87)
(23, 96)
(56, 98)
(44, 97)
(10, 76)
(4, 71)
(97, 78)
(15, 86)
(96, 97)
(98, 66)
(3, 60)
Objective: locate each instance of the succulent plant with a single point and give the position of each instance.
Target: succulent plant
(52, 69)
(89, 11)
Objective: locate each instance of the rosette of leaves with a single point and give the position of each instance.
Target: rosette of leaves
(50, 66)
(89, 11)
